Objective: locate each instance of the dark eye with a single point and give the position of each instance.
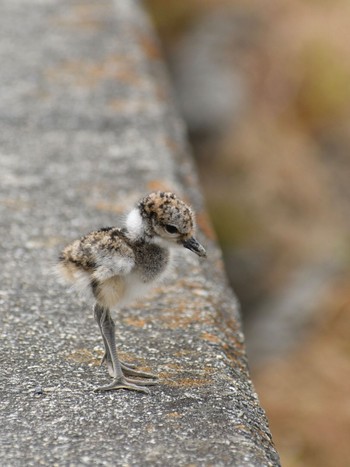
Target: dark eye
(171, 229)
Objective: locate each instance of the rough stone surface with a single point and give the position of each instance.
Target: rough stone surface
(87, 127)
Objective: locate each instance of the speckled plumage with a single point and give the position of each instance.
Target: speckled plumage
(119, 264)
(112, 265)
(166, 208)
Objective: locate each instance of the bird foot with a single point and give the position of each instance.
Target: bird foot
(139, 374)
(128, 369)
(124, 383)
(124, 365)
(128, 365)
(130, 372)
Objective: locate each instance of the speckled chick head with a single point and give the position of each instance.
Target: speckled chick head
(170, 219)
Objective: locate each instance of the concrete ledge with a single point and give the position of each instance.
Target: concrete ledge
(87, 127)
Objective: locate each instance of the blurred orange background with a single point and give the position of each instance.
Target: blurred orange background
(265, 90)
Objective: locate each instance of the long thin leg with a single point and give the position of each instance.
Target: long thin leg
(106, 357)
(128, 368)
(107, 328)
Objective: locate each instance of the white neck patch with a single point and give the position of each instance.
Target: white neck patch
(134, 223)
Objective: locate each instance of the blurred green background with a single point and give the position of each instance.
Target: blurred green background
(265, 90)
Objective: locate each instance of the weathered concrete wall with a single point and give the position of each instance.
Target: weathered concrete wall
(87, 126)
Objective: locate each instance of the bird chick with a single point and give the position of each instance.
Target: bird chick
(119, 264)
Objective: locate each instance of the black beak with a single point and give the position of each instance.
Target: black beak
(193, 245)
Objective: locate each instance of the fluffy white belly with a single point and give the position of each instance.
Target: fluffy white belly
(136, 287)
